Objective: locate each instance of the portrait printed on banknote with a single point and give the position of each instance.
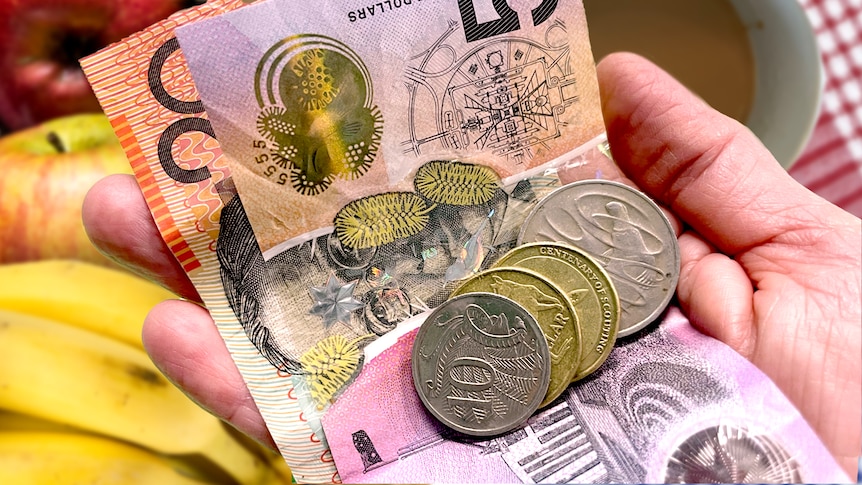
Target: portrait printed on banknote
(374, 165)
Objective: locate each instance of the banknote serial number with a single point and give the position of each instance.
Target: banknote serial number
(271, 164)
(378, 8)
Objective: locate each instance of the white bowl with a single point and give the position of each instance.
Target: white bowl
(771, 81)
(789, 75)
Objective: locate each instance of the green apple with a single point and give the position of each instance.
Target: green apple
(47, 170)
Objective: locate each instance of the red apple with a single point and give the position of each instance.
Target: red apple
(41, 42)
(47, 170)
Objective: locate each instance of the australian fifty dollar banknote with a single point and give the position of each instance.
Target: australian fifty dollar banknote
(326, 171)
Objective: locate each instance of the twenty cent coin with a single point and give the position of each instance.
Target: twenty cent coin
(481, 364)
(552, 310)
(625, 231)
(588, 287)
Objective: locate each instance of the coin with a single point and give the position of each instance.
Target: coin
(481, 364)
(588, 287)
(622, 229)
(551, 308)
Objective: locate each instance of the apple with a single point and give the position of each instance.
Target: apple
(47, 170)
(41, 42)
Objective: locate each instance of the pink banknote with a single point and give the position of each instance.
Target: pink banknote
(670, 405)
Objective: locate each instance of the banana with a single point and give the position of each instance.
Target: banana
(192, 466)
(72, 376)
(280, 474)
(107, 301)
(36, 458)
(10, 421)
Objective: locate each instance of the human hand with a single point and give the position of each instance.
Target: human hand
(179, 335)
(767, 267)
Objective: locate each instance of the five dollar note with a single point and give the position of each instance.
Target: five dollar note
(293, 117)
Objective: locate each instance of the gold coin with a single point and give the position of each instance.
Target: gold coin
(551, 308)
(589, 288)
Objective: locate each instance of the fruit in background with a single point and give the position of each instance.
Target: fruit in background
(41, 42)
(47, 170)
(10, 421)
(72, 376)
(55, 458)
(61, 290)
(70, 390)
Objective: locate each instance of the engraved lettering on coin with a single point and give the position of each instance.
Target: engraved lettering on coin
(588, 287)
(622, 229)
(481, 364)
(552, 310)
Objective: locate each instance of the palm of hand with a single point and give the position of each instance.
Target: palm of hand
(767, 267)
(799, 324)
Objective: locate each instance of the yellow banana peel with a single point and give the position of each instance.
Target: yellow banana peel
(107, 301)
(36, 458)
(72, 376)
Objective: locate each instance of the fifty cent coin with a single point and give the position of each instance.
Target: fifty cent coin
(588, 287)
(622, 229)
(481, 364)
(551, 308)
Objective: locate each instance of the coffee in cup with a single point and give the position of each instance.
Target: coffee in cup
(754, 60)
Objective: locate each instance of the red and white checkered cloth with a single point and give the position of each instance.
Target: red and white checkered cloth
(831, 163)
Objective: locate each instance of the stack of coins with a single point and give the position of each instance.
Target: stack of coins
(595, 260)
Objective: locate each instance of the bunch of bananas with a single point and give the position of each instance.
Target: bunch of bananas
(80, 401)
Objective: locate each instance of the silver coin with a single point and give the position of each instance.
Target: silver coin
(622, 229)
(481, 364)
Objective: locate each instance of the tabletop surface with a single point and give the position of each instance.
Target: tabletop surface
(831, 163)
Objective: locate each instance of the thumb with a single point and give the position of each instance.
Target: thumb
(709, 169)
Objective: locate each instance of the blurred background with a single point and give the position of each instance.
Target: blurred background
(831, 164)
(79, 398)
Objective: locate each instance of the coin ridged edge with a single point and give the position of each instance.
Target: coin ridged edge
(581, 372)
(542, 348)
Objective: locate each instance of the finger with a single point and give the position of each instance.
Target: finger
(185, 345)
(709, 169)
(716, 293)
(119, 223)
